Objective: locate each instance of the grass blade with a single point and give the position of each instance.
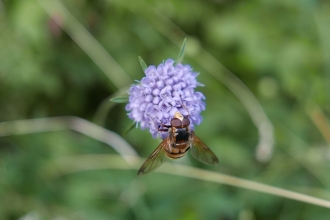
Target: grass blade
(120, 99)
(143, 64)
(86, 41)
(181, 54)
(73, 164)
(129, 128)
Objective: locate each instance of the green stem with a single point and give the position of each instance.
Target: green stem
(72, 164)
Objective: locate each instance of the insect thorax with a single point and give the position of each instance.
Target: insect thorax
(181, 135)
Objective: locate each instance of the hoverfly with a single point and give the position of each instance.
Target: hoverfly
(180, 139)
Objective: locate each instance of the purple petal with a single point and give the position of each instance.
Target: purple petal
(147, 90)
(156, 100)
(169, 62)
(164, 106)
(156, 91)
(148, 98)
(173, 110)
(147, 82)
(143, 106)
(169, 82)
(160, 84)
(199, 95)
(151, 72)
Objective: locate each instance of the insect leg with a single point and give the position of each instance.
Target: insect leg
(161, 127)
(183, 105)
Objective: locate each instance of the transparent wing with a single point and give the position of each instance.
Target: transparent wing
(154, 161)
(201, 152)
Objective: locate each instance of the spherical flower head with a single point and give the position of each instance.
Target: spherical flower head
(165, 90)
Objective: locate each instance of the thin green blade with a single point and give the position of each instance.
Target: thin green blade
(120, 99)
(129, 128)
(181, 54)
(143, 64)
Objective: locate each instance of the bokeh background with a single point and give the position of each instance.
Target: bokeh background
(67, 58)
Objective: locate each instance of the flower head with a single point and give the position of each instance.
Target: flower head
(165, 90)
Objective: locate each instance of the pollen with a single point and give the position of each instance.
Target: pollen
(178, 115)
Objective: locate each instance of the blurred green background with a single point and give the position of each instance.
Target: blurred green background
(279, 49)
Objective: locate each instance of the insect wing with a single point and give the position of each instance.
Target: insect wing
(154, 161)
(201, 152)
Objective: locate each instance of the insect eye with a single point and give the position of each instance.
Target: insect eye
(176, 122)
(185, 122)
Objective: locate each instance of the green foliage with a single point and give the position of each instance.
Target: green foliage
(120, 99)
(129, 128)
(279, 49)
(143, 64)
(181, 54)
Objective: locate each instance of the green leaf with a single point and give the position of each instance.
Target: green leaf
(181, 54)
(129, 128)
(120, 99)
(143, 64)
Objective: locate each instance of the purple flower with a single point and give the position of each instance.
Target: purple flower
(165, 90)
